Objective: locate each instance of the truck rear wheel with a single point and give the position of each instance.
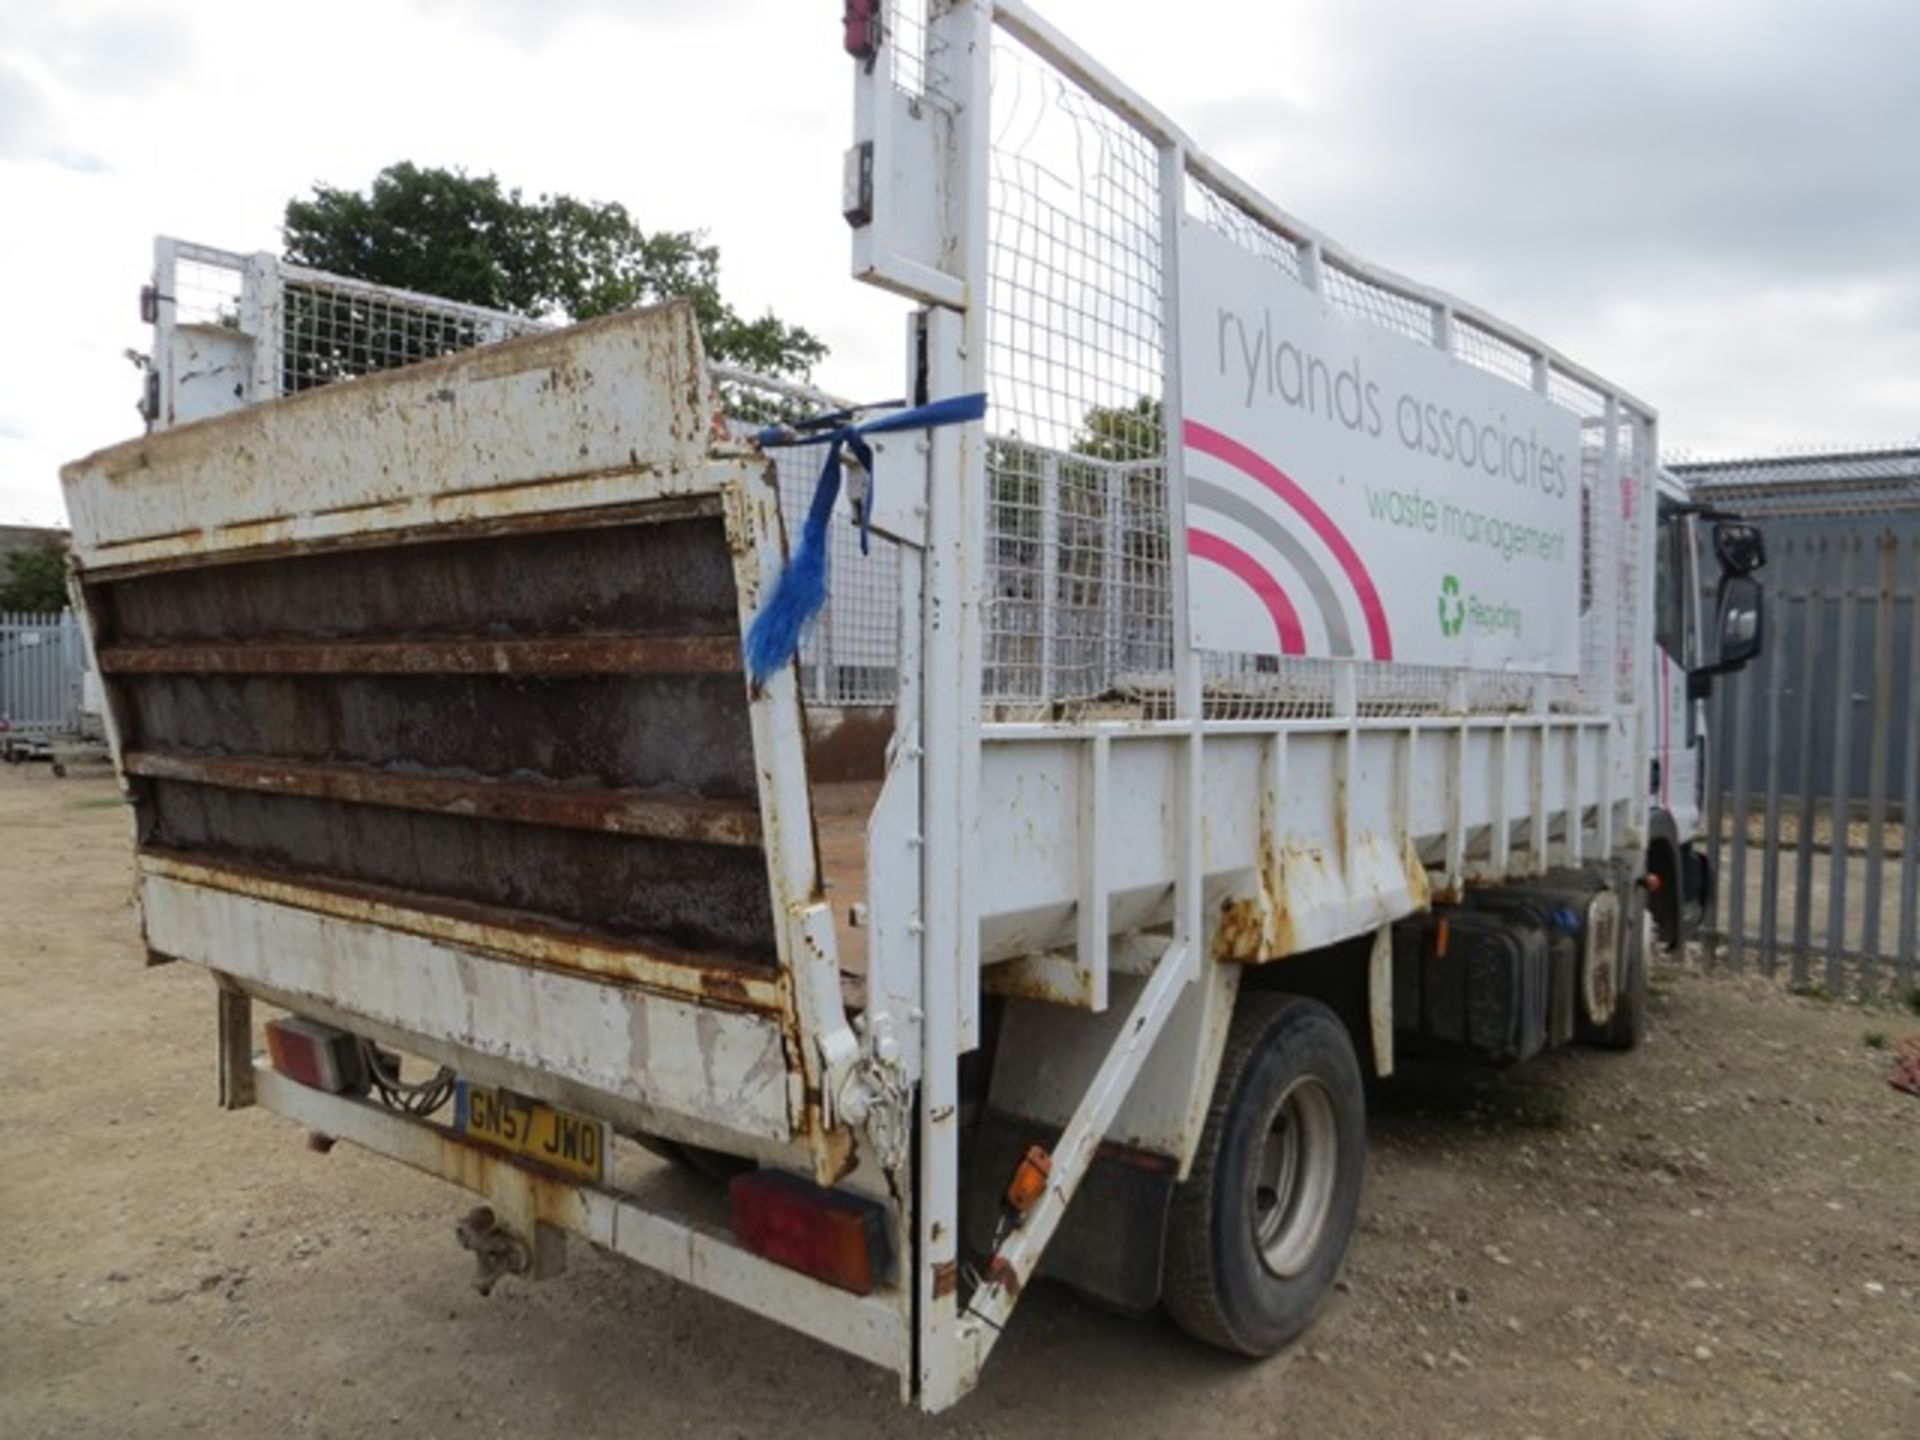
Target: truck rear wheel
(1627, 1026)
(1258, 1232)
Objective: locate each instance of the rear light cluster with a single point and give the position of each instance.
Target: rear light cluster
(838, 1238)
(317, 1055)
(862, 21)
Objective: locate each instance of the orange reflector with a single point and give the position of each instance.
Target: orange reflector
(1029, 1181)
(823, 1233)
(1440, 940)
(318, 1056)
(1652, 881)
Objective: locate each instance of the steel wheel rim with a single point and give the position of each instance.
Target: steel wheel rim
(1293, 1178)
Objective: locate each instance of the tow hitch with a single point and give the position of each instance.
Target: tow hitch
(496, 1249)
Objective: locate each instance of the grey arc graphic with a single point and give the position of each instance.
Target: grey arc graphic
(1204, 495)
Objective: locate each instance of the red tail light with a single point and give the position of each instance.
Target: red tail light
(862, 20)
(838, 1238)
(316, 1055)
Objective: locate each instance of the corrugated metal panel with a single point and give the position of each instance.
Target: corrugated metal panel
(42, 669)
(1813, 777)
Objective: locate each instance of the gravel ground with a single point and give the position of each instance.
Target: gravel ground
(1718, 1235)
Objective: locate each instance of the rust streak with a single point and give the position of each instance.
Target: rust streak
(548, 655)
(946, 1279)
(1241, 929)
(1001, 1272)
(492, 930)
(202, 549)
(723, 985)
(619, 812)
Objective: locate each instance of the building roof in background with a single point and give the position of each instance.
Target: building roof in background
(1855, 481)
(29, 537)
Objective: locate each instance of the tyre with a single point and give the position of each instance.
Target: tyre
(1668, 905)
(1258, 1232)
(1696, 895)
(1627, 1026)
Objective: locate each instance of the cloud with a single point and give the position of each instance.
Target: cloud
(1715, 203)
(125, 54)
(118, 52)
(537, 22)
(1514, 143)
(30, 129)
(25, 118)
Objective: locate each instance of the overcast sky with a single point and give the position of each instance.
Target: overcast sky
(1714, 202)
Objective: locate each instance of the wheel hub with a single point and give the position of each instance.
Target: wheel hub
(1294, 1178)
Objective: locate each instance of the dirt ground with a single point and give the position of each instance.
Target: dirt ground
(1718, 1235)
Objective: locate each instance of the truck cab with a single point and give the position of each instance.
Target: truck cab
(1708, 621)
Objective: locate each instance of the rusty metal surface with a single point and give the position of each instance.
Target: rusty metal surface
(690, 896)
(428, 694)
(689, 818)
(679, 733)
(564, 655)
(444, 440)
(656, 966)
(670, 578)
(663, 1228)
(548, 723)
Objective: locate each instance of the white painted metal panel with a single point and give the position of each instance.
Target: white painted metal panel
(873, 1327)
(720, 1067)
(627, 394)
(1337, 838)
(1359, 484)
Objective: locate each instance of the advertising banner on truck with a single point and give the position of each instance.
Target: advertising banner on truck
(1355, 493)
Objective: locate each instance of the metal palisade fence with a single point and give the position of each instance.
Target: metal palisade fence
(1814, 766)
(42, 668)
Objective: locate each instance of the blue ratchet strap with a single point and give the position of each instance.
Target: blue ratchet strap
(774, 637)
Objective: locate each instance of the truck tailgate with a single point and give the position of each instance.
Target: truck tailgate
(427, 692)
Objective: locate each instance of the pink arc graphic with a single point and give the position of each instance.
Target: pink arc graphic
(1201, 545)
(1209, 441)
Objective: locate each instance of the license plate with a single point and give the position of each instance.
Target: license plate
(571, 1144)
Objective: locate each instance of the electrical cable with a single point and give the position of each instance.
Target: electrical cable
(418, 1098)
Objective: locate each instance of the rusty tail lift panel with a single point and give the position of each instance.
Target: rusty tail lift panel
(427, 694)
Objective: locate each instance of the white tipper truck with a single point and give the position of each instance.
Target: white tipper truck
(1259, 694)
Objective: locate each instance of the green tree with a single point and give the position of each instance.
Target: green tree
(36, 579)
(1123, 432)
(466, 238)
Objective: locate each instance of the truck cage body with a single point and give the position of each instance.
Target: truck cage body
(426, 690)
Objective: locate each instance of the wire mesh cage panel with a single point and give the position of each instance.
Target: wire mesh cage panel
(906, 33)
(335, 329)
(206, 286)
(1079, 590)
(1077, 368)
(850, 656)
(1352, 293)
(311, 329)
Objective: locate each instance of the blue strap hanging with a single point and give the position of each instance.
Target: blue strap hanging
(774, 637)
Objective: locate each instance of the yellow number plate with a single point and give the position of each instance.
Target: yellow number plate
(571, 1144)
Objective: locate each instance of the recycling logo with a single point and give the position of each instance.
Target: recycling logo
(1453, 608)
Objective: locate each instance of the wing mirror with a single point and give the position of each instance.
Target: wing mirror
(1739, 621)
